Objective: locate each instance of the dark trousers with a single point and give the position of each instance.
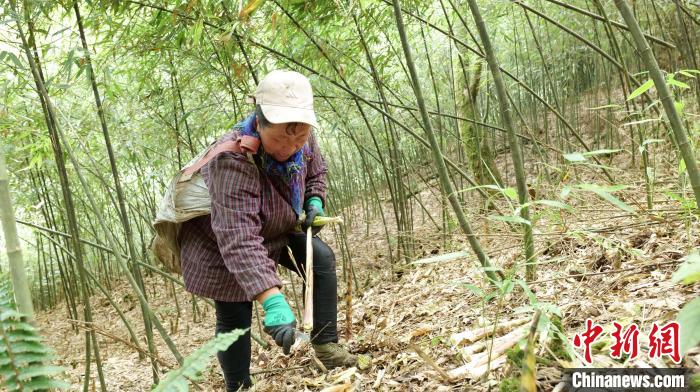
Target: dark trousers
(235, 361)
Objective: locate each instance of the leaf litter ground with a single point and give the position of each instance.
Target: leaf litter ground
(594, 262)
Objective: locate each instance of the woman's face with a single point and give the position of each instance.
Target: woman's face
(280, 141)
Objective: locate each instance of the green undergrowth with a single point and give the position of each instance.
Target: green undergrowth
(556, 350)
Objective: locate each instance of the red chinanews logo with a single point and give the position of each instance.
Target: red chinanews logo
(662, 340)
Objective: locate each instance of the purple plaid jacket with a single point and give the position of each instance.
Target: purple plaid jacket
(231, 254)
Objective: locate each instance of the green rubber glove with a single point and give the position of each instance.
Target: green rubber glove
(279, 321)
(277, 310)
(313, 207)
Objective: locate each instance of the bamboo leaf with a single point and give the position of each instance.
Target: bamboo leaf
(552, 203)
(476, 290)
(603, 192)
(689, 271)
(610, 106)
(442, 258)
(530, 295)
(197, 31)
(641, 89)
(614, 200)
(689, 320)
(549, 308)
(509, 218)
(673, 82)
(13, 58)
(606, 188)
(575, 157)
(512, 193)
(177, 380)
(509, 192)
(679, 107)
(645, 121)
(250, 7)
(36, 161)
(506, 286)
(601, 152)
(649, 141)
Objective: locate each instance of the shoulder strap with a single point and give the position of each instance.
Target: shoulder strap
(247, 144)
(230, 145)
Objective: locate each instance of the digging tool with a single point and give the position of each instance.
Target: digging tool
(308, 316)
(308, 322)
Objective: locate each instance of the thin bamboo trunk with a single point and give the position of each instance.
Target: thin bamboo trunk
(120, 258)
(665, 96)
(55, 134)
(529, 89)
(20, 284)
(372, 184)
(120, 193)
(691, 58)
(42, 275)
(184, 113)
(396, 190)
(392, 136)
(513, 140)
(65, 188)
(437, 154)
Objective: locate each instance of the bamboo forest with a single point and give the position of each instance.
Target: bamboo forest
(349, 195)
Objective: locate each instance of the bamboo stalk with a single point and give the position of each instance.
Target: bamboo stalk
(665, 96)
(20, 284)
(602, 18)
(56, 134)
(52, 128)
(122, 261)
(513, 140)
(529, 89)
(117, 185)
(437, 154)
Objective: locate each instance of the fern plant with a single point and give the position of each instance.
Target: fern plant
(195, 363)
(24, 359)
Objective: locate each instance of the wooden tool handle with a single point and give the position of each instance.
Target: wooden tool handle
(308, 322)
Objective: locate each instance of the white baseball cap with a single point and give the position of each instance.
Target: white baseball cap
(286, 96)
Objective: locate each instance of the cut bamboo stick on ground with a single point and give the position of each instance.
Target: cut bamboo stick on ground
(479, 364)
(378, 381)
(500, 346)
(428, 360)
(475, 372)
(472, 335)
(442, 258)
